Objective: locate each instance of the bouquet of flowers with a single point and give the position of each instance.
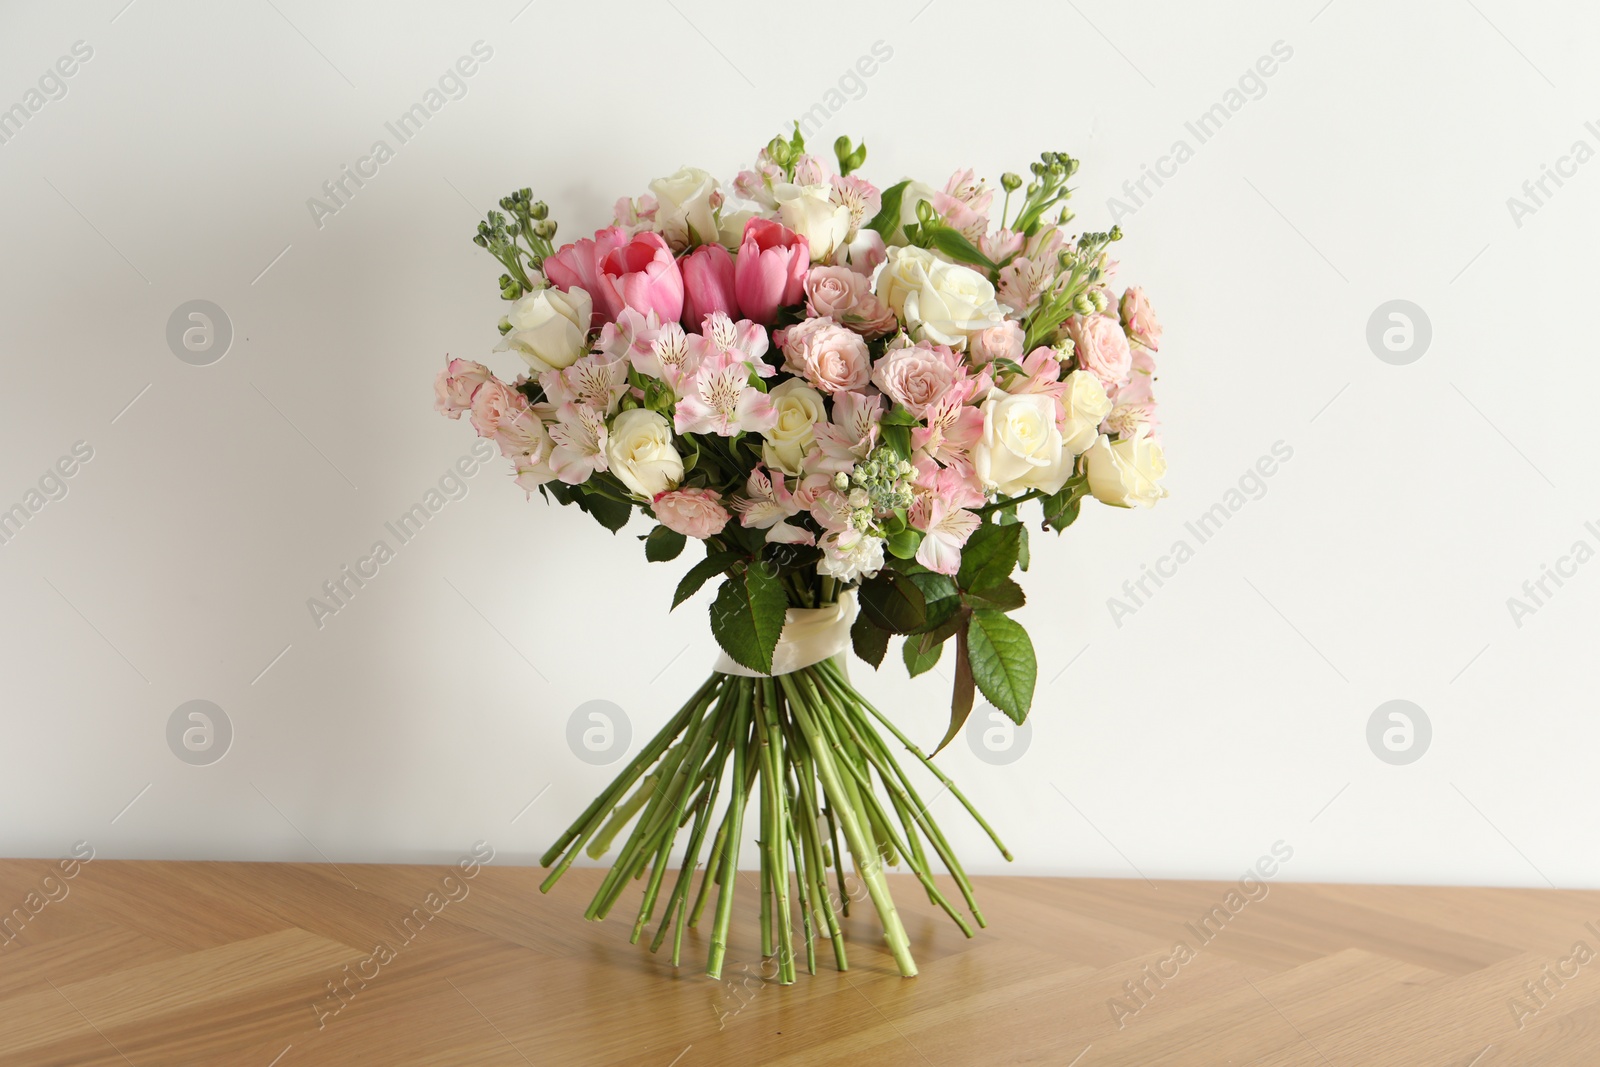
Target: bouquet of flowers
(850, 398)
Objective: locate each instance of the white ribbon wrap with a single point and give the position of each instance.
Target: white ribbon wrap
(810, 635)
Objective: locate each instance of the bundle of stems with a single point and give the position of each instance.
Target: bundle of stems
(802, 754)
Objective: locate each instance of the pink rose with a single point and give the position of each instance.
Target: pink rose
(453, 388)
(1101, 348)
(771, 269)
(1139, 319)
(827, 355)
(1004, 341)
(578, 265)
(917, 376)
(708, 284)
(691, 512)
(494, 403)
(845, 296)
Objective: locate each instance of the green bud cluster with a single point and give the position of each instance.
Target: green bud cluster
(849, 158)
(879, 484)
(519, 236)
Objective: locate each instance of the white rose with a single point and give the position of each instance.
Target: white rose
(1021, 447)
(639, 451)
(799, 409)
(1086, 405)
(1128, 472)
(684, 212)
(549, 328)
(809, 211)
(939, 301)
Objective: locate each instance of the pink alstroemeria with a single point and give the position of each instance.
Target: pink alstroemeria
(655, 350)
(579, 437)
(851, 435)
(597, 380)
(719, 399)
(743, 340)
(767, 504)
(953, 425)
(941, 513)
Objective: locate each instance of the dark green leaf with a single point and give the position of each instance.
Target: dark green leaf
(918, 661)
(1002, 661)
(1004, 595)
(612, 514)
(989, 556)
(887, 220)
(701, 573)
(893, 602)
(1061, 510)
(871, 642)
(960, 693)
(940, 596)
(747, 617)
(938, 635)
(663, 544)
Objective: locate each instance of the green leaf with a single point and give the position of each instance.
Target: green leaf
(961, 692)
(899, 416)
(663, 544)
(1061, 510)
(893, 602)
(989, 556)
(1003, 665)
(701, 573)
(917, 660)
(612, 514)
(940, 596)
(747, 617)
(887, 220)
(1004, 595)
(958, 248)
(904, 544)
(871, 642)
(897, 438)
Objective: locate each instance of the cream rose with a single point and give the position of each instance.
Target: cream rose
(549, 328)
(809, 211)
(1084, 406)
(1128, 472)
(685, 213)
(1021, 447)
(791, 438)
(639, 451)
(939, 301)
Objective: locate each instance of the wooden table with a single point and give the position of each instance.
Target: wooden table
(273, 965)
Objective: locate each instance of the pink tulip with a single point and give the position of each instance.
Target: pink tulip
(578, 265)
(708, 285)
(771, 270)
(643, 275)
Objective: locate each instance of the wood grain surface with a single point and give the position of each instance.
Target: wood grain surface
(290, 965)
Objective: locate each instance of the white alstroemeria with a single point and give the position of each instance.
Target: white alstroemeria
(579, 436)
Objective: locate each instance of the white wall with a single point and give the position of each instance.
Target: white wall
(1227, 712)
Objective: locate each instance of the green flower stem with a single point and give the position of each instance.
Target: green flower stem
(810, 832)
(840, 683)
(774, 755)
(579, 833)
(735, 828)
(840, 791)
(691, 853)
